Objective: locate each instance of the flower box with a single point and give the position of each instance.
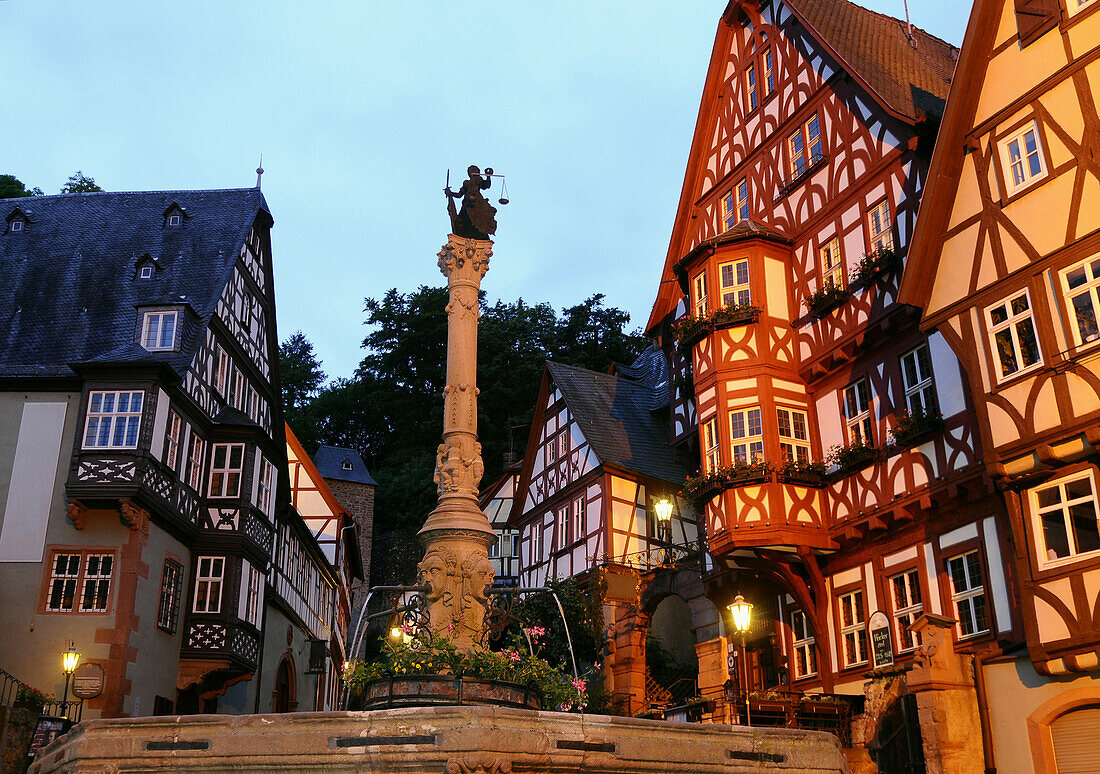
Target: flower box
(875, 265)
(732, 315)
(707, 485)
(811, 474)
(824, 300)
(689, 330)
(911, 427)
(852, 457)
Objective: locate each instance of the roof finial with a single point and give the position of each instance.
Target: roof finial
(259, 171)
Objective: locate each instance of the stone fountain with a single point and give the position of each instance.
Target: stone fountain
(456, 572)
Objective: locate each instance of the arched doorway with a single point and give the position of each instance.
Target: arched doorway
(284, 697)
(1074, 736)
(672, 666)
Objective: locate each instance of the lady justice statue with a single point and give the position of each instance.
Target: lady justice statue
(477, 218)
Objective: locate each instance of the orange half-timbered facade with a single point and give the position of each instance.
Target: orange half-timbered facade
(1006, 266)
(839, 467)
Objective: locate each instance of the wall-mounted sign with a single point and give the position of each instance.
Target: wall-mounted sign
(88, 681)
(882, 649)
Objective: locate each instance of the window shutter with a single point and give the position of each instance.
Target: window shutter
(1075, 735)
(1034, 17)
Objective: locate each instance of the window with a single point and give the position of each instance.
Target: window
(906, 598)
(699, 294)
(853, 631)
(804, 146)
(578, 518)
(563, 444)
(805, 649)
(172, 441)
(551, 451)
(747, 435)
(208, 584)
(880, 227)
(968, 593)
(832, 269)
(1066, 516)
(857, 412)
(734, 278)
(146, 272)
(1073, 6)
(1022, 158)
(220, 377)
(563, 526)
(794, 436)
(494, 547)
(1082, 288)
(16, 226)
(198, 454)
(536, 543)
(226, 464)
(171, 587)
(916, 377)
(267, 487)
(173, 220)
(710, 445)
(752, 97)
(251, 594)
(512, 544)
(769, 71)
(113, 420)
(158, 331)
(80, 582)
(735, 204)
(1012, 334)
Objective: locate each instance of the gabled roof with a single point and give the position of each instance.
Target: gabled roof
(618, 414)
(331, 461)
(69, 294)
(910, 78)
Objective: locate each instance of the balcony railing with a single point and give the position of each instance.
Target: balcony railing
(221, 639)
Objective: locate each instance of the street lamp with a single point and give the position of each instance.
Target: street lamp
(742, 620)
(663, 508)
(69, 659)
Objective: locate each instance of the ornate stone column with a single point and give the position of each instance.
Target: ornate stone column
(457, 534)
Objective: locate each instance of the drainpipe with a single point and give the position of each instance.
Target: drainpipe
(983, 711)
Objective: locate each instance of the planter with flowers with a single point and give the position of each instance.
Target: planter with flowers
(31, 699)
(911, 426)
(706, 485)
(824, 300)
(803, 473)
(874, 266)
(851, 457)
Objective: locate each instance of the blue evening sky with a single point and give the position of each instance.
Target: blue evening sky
(359, 109)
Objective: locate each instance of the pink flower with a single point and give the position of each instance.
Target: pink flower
(596, 666)
(512, 655)
(535, 632)
(406, 629)
(578, 683)
(567, 706)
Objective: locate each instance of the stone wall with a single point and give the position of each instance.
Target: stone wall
(16, 727)
(359, 501)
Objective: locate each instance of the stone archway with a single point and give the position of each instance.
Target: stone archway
(284, 696)
(672, 665)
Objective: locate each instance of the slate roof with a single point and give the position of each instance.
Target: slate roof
(911, 79)
(329, 461)
(70, 291)
(618, 414)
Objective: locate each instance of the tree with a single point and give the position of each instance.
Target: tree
(12, 187)
(78, 182)
(301, 376)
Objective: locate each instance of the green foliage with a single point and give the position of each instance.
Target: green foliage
(677, 677)
(583, 608)
(301, 377)
(32, 696)
(12, 187)
(78, 182)
(516, 663)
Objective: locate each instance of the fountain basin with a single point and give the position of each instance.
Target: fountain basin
(456, 740)
(433, 690)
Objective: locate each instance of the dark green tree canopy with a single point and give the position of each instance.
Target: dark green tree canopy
(78, 182)
(12, 187)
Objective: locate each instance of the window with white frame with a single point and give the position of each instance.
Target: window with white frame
(699, 294)
(853, 628)
(578, 518)
(251, 594)
(238, 389)
(734, 279)
(906, 598)
(511, 544)
(767, 81)
(1012, 334)
(1066, 517)
(563, 444)
(746, 435)
(804, 645)
(735, 204)
(146, 272)
(173, 220)
(1073, 6)
(1081, 283)
(172, 442)
(171, 588)
(794, 434)
(220, 377)
(916, 377)
(494, 547)
(752, 95)
(968, 593)
(536, 542)
(15, 226)
(550, 451)
(880, 227)
(1022, 157)
(158, 331)
(226, 464)
(711, 456)
(209, 574)
(562, 526)
(857, 412)
(265, 495)
(114, 419)
(80, 581)
(832, 268)
(195, 462)
(804, 146)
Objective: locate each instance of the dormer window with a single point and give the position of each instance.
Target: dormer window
(174, 215)
(16, 221)
(146, 272)
(173, 220)
(158, 331)
(16, 226)
(346, 464)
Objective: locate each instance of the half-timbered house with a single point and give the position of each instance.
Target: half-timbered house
(144, 490)
(839, 469)
(495, 501)
(586, 501)
(1005, 263)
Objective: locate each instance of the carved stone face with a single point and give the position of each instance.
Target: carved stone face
(434, 572)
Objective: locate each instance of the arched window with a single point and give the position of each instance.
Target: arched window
(1074, 735)
(284, 697)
